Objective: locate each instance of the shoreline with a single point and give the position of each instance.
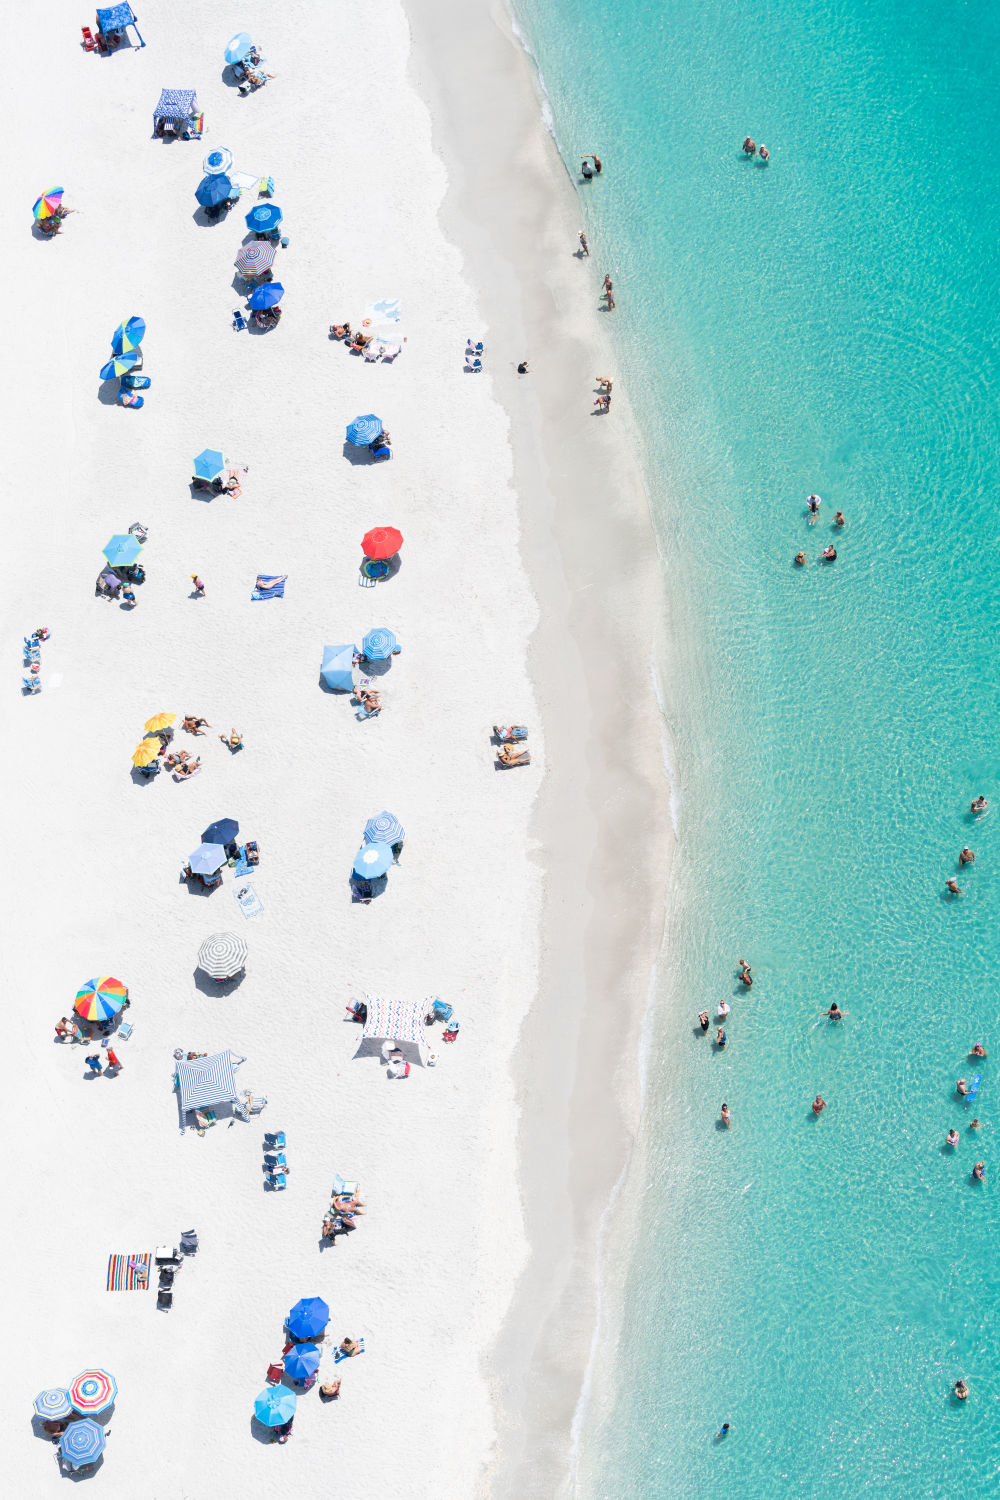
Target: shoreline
(589, 549)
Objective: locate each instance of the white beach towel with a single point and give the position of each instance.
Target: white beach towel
(250, 902)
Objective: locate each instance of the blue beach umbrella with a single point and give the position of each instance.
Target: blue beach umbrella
(219, 160)
(308, 1318)
(378, 645)
(53, 1404)
(222, 831)
(82, 1442)
(384, 829)
(120, 365)
(209, 464)
(122, 550)
(364, 430)
(211, 191)
(337, 668)
(372, 860)
(264, 218)
(207, 858)
(268, 295)
(275, 1405)
(302, 1361)
(240, 46)
(128, 335)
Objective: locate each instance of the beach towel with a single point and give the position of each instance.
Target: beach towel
(248, 181)
(250, 902)
(341, 1355)
(128, 1273)
(242, 865)
(269, 586)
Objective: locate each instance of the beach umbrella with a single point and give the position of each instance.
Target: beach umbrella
(207, 858)
(384, 829)
(217, 161)
(47, 204)
(268, 295)
(53, 1404)
(364, 430)
(381, 542)
(82, 1443)
(372, 860)
(209, 464)
(256, 258)
(146, 752)
(378, 645)
(120, 365)
(264, 218)
(275, 1406)
(222, 955)
(128, 335)
(222, 831)
(94, 1389)
(158, 722)
(122, 550)
(240, 46)
(98, 1000)
(302, 1361)
(337, 669)
(308, 1318)
(213, 190)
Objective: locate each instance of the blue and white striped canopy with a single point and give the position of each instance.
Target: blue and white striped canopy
(372, 860)
(217, 161)
(82, 1442)
(364, 430)
(378, 644)
(53, 1404)
(384, 829)
(207, 1081)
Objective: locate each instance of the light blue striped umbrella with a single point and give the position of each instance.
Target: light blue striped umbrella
(240, 46)
(53, 1404)
(120, 365)
(364, 430)
(275, 1406)
(209, 464)
(207, 858)
(384, 829)
(372, 860)
(302, 1361)
(122, 550)
(128, 335)
(264, 218)
(378, 644)
(82, 1442)
(217, 161)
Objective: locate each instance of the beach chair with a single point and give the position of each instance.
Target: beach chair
(439, 1011)
(129, 398)
(275, 1374)
(380, 452)
(474, 349)
(265, 188)
(164, 1300)
(205, 1119)
(274, 1140)
(475, 365)
(164, 1254)
(31, 684)
(239, 321)
(102, 42)
(88, 39)
(189, 1241)
(252, 852)
(254, 1103)
(211, 881)
(125, 1031)
(277, 1160)
(343, 1188)
(167, 1274)
(389, 352)
(276, 1181)
(372, 354)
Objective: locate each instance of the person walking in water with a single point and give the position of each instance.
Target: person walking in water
(813, 503)
(749, 146)
(818, 1105)
(583, 243)
(723, 1431)
(953, 886)
(725, 1116)
(967, 857)
(979, 805)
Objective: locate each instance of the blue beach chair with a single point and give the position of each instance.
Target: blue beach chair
(239, 321)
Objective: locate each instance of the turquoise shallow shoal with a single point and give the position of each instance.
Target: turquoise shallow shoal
(827, 323)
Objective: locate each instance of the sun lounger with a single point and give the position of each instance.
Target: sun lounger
(164, 1253)
(88, 39)
(205, 1119)
(253, 1103)
(372, 354)
(342, 1354)
(344, 1189)
(506, 756)
(164, 1300)
(31, 684)
(475, 365)
(239, 321)
(389, 352)
(189, 1241)
(180, 775)
(277, 1160)
(276, 1181)
(129, 398)
(439, 1011)
(125, 1031)
(378, 453)
(274, 1140)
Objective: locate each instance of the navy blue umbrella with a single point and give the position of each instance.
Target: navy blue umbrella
(222, 831)
(211, 191)
(268, 295)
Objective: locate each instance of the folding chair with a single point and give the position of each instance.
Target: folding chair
(164, 1300)
(88, 39)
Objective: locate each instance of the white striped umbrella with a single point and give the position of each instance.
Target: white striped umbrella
(222, 955)
(256, 258)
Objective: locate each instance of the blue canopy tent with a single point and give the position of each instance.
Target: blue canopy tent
(337, 668)
(175, 108)
(117, 19)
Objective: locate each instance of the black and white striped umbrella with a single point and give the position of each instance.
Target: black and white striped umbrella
(222, 955)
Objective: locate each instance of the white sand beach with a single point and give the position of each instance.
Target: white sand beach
(430, 1277)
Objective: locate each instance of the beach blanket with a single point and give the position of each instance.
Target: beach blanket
(250, 902)
(269, 586)
(128, 1273)
(248, 181)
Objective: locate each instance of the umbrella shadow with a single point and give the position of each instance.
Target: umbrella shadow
(40, 234)
(87, 1472)
(260, 1433)
(357, 456)
(375, 668)
(376, 887)
(209, 986)
(334, 692)
(205, 217)
(139, 779)
(369, 1046)
(229, 77)
(107, 393)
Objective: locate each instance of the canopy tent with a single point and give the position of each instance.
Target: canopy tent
(177, 105)
(337, 670)
(117, 18)
(398, 1020)
(207, 1081)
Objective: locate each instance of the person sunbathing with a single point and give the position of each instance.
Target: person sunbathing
(350, 1346)
(344, 1203)
(510, 757)
(188, 767)
(511, 731)
(235, 740)
(193, 725)
(331, 1391)
(369, 698)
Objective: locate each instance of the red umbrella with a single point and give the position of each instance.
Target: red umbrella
(382, 542)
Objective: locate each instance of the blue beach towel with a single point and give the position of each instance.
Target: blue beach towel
(269, 586)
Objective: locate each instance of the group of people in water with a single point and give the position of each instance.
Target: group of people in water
(829, 553)
(751, 149)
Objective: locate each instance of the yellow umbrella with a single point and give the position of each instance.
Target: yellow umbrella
(159, 721)
(146, 752)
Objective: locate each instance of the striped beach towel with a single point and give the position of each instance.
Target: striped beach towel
(269, 586)
(128, 1273)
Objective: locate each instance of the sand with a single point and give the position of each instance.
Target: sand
(94, 887)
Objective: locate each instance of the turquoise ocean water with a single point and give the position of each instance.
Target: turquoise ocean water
(827, 323)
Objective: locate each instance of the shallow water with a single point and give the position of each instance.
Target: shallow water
(822, 324)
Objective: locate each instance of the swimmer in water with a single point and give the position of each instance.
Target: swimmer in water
(720, 1038)
(765, 155)
(953, 886)
(961, 1390)
(838, 519)
(952, 1138)
(723, 1430)
(835, 1013)
(962, 1087)
(978, 1050)
(703, 1020)
(725, 1115)
(723, 1009)
(800, 559)
(746, 979)
(813, 503)
(967, 857)
(974, 1125)
(818, 1105)
(979, 805)
(979, 1171)
(828, 554)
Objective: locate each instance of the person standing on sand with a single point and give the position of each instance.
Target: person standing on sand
(583, 243)
(113, 1063)
(522, 368)
(199, 587)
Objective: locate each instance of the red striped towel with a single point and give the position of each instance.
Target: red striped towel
(128, 1273)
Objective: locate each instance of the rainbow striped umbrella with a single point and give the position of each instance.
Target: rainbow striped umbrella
(94, 1389)
(99, 1000)
(48, 203)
